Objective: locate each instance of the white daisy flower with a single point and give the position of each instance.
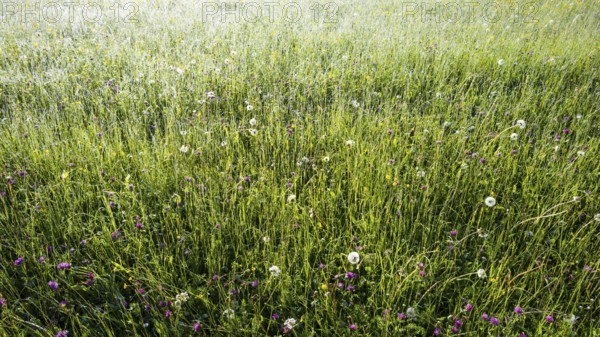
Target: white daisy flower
(353, 258)
(223, 143)
(490, 201)
(183, 149)
(326, 159)
(514, 136)
(580, 153)
(275, 271)
(253, 122)
(249, 107)
(481, 273)
(253, 132)
(521, 123)
(350, 142)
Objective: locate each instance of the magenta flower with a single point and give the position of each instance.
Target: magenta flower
(352, 327)
(458, 323)
(53, 285)
(62, 333)
(437, 332)
(485, 317)
(454, 329)
(18, 261)
(168, 313)
(275, 316)
(549, 319)
(495, 321)
(453, 233)
(401, 316)
(518, 310)
(2, 302)
(196, 326)
(469, 307)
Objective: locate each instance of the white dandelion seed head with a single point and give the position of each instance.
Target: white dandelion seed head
(481, 273)
(350, 142)
(353, 258)
(275, 271)
(183, 132)
(179, 70)
(253, 122)
(490, 201)
(326, 159)
(253, 132)
(183, 149)
(223, 143)
(514, 136)
(411, 313)
(249, 107)
(500, 62)
(580, 153)
(521, 123)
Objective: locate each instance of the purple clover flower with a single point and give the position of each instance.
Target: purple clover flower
(63, 266)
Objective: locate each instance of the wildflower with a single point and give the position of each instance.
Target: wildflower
(350, 143)
(253, 122)
(53, 285)
(401, 316)
(521, 123)
(485, 317)
(353, 257)
(411, 313)
(571, 320)
(549, 319)
(453, 233)
(291, 198)
(62, 333)
(490, 201)
(437, 332)
(352, 327)
(514, 136)
(454, 329)
(179, 70)
(2, 302)
(63, 266)
(464, 166)
(275, 271)
(63, 304)
(229, 313)
(253, 132)
(597, 217)
(223, 143)
(350, 275)
(421, 174)
(183, 149)
(518, 310)
(196, 326)
(580, 153)
(522, 334)
(183, 297)
(168, 313)
(500, 62)
(494, 321)
(326, 159)
(18, 261)
(275, 316)
(458, 323)
(249, 107)
(481, 273)
(469, 307)
(289, 324)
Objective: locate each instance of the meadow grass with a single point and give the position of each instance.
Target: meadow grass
(178, 155)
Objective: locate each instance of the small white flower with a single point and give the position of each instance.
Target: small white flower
(226, 61)
(355, 103)
(580, 153)
(597, 217)
(579, 116)
(249, 107)
(482, 234)
(177, 304)
(556, 148)
(326, 159)
(275, 271)
(229, 313)
(253, 122)
(354, 258)
(571, 320)
(447, 124)
(210, 94)
(421, 173)
(266, 239)
(411, 313)
(350, 142)
(481, 273)
(183, 297)
(233, 53)
(521, 123)
(223, 143)
(183, 132)
(500, 62)
(253, 132)
(179, 70)
(291, 198)
(290, 323)
(464, 166)
(183, 149)
(305, 159)
(514, 136)
(490, 201)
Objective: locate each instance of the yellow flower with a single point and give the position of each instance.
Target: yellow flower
(388, 177)
(324, 286)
